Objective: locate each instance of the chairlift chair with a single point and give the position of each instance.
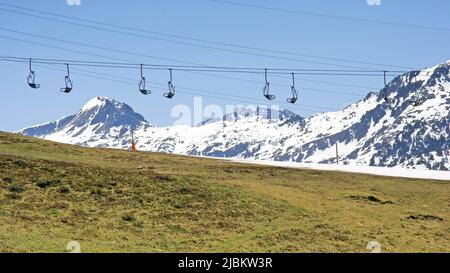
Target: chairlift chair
(266, 88)
(142, 83)
(32, 79)
(68, 82)
(171, 88)
(294, 91)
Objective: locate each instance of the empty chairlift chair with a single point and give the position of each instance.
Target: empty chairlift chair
(266, 88)
(171, 89)
(142, 84)
(32, 79)
(294, 91)
(68, 82)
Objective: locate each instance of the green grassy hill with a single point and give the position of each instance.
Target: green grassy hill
(116, 201)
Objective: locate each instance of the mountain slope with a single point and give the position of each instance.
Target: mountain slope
(118, 201)
(412, 131)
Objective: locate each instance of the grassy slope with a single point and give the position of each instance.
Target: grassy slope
(111, 200)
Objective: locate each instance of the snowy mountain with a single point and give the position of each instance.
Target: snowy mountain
(410, 131)
(99, 121)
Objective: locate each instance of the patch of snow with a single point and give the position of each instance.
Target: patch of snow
(95, 102)
(380, 171)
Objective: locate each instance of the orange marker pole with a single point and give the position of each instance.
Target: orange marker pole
(133, 144)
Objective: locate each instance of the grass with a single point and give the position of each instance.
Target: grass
(116, 201)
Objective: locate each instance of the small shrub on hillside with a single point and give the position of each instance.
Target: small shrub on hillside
(98, 192)
(16, 189)
(7, 179)
(128, 217)
(47, 183)
(139, 224)
(370, 198)
(184, 189)
(14, 196)
(63, 189)
(163, 177)
(426, 217)
(21, 164)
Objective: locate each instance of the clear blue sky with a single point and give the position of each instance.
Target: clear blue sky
(21, 106)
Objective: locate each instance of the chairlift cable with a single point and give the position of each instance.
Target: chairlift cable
(251, 81)
(210, 75)
(216, 69)
(190, 44)
(198, 40)
(304, 88)
(171, 89)
(336, 17)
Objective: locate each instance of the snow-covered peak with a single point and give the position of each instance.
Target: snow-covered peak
(433, 72)
(109, 112)
(98, 102)
(419, 86)
(93, 103)
(99, 116)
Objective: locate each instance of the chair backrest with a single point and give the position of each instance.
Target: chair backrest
(69, 85)
(171, 92)
(266, 92)
(294, 95)
(142, 88)
(32, 79)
